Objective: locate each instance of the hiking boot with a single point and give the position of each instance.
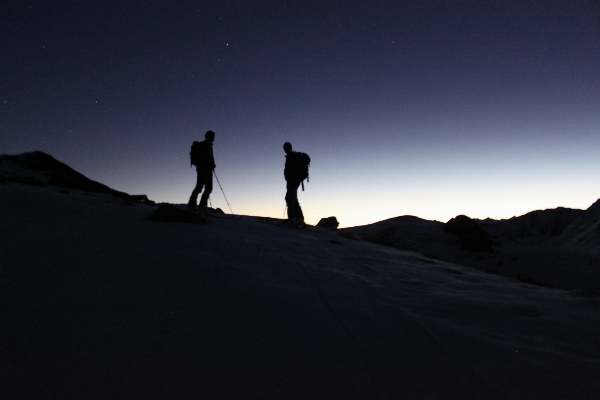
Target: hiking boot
(296, 223)
(300, 223)
(286, 222)
(191, 207)
(202, 210)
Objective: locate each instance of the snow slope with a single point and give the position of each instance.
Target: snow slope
(100, 302)
(97, 301)
(558, 248)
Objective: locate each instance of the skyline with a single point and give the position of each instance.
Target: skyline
(432, 109)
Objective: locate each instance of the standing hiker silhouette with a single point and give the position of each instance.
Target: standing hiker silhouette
(295, 172)
(202, 157)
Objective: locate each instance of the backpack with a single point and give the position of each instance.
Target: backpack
(195, 153)
(301, 165)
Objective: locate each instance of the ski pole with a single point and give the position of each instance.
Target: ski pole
(222, 191)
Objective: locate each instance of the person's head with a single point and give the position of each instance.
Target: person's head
(210, 136)
(287, 147)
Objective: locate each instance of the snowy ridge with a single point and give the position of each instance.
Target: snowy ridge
(558, 247)
(99, 301)
(39, 168)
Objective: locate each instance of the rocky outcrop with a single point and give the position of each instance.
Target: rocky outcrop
(329, 223)
(470, 234)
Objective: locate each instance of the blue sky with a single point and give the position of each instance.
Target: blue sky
(429, 108)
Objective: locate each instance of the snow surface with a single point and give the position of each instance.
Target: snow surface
(558, 248)
(99, 302)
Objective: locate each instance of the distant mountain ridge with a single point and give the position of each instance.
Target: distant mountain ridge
(554, 247)
(563, 227)
(39, 168)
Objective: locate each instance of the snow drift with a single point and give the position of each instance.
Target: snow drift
(558, 248)
(99, 301)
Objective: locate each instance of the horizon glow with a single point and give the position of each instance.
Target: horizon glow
(410, 108)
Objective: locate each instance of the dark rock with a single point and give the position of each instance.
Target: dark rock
(330, 223)
(169, 213)
(470, 234)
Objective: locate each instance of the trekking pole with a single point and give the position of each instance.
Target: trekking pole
(284, 210)
(222, 191)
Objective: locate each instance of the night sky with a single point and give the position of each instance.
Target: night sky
(426, 108)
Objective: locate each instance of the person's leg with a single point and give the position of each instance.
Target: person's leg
(194, 197)
(208, 186)
(299, 213)
(291, 198)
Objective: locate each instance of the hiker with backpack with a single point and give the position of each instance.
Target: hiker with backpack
(295, 172)
(202, 157)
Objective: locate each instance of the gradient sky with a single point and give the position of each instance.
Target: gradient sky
(426, 108)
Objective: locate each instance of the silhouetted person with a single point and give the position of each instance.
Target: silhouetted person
(293, 176)
(202, 157)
